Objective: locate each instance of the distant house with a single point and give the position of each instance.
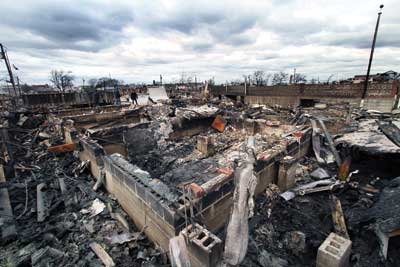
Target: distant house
(389, 75)
(379, 77)
(361, 78)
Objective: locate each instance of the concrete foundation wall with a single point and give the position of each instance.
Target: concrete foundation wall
(283, 101)
(380, 96)
(146, 209)
(161, 219)
(381, 104)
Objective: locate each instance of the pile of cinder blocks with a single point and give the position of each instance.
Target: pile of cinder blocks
(334, 252)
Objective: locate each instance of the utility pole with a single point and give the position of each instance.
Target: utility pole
(294, 76)
(4, 56)
(245, 85)
(371, 56)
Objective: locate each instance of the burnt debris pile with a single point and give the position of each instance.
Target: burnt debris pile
(57, 218)
(174, 182)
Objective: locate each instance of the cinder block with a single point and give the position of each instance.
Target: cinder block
(141, 190)
(334, 252)
(153, 201)
(204, 247)
(169, 215)
(205, 145)
(287, 173)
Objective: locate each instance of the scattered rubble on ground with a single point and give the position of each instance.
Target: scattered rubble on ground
(73, 215)
(325, 172)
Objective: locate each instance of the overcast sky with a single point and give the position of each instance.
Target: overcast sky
(136, 41)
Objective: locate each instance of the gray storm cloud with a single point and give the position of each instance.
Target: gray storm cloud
(138, 40)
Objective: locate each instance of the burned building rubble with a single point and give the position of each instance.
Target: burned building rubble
(179, 183)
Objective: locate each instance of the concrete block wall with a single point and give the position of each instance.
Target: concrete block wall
(147, 209)
(381, 104)
(382, 89)
(290, 95)
(150, 212)
(284, 101)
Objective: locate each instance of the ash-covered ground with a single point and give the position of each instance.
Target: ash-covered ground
(288, 233)
(73, 219)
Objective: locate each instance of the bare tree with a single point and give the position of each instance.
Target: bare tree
(259, 77)
(279, 78)
(61, 79)
(313, 81)
(108, 82)
(299, 78)
(235, 82)
(330, 78)
(93, 82)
